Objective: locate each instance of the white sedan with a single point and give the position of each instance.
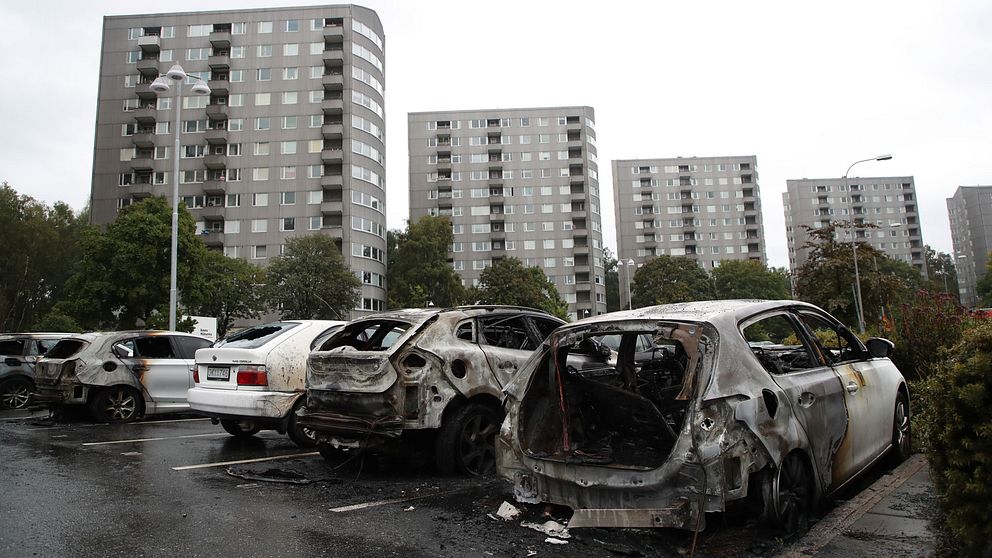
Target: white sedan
(253, 380)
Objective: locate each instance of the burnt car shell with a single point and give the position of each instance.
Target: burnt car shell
(660, 446)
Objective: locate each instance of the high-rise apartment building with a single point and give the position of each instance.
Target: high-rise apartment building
(970, 214)
(887, 205)
(291, 140)
(517, 183)
(705, 208)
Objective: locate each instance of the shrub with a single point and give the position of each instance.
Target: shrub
(922, 327)
(956, 421)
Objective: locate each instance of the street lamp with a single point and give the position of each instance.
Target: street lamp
(161, 85)
(854, 244)
(630, 267)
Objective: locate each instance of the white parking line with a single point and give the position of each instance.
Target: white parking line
(355, 507)
(168, 421)
(223, 463)
(215, 434)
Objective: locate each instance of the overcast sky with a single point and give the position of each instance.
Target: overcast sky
(807, 87)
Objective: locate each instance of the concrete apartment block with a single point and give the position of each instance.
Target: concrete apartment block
(970, 214)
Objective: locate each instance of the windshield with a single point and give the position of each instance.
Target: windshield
(255, 337)
(66, 348)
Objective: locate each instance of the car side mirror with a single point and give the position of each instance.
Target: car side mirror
(879, 347)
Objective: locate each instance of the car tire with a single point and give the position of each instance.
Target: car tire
(15, 393)
(117, 404)
(466, 442)
(240, 428)
(303, 437)
(787, 494)
(902, 441)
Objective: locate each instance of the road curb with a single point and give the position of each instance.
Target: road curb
(841, 518)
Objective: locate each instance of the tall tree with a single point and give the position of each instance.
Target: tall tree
(509, 282)
(310, 281)
(228, 289)
(827, 277)
(39, 254)
(941, 273)
(123, 278)
(418, 273)
(750, 279)
(667, 279)
(612, 281)
(984, 287)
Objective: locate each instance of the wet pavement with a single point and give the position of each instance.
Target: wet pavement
(182, 486)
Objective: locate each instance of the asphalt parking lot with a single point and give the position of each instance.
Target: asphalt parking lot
(182, 486)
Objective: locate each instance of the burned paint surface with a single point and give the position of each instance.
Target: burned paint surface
(738, 422)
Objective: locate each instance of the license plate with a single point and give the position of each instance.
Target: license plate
(218, 373)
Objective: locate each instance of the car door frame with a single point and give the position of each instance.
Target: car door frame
(504, 362)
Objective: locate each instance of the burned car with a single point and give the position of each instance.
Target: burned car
(433, 371)
(18, 353)
(716, 416)
(119, 375)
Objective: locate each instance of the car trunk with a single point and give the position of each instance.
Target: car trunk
(622, 410)
(59, 361)
(218, 368)
(356, 359)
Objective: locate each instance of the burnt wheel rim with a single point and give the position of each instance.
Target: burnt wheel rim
(15, 396)
(120, 405)
(477, 447)
(901, 428)
(793, 495)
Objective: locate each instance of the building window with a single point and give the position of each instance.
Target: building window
(287, 224)
(264, 26)
(259, 226)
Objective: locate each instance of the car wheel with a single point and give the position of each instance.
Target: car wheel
(117, 404)
(466, 443)
(303, 437)
(902, 443)
(788, 494)
(240, 428)
(15, 393)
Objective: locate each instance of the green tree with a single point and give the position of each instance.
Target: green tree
(984, 287)
(667, 279)
(612, 281)
(750, 279)
(39, 254)
(123, 278)
(940, 272)
(827, 277)
(509, 282)
(310, 281)
(418, 273)
(228, 289)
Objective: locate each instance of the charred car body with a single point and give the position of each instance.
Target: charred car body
(424, 370)
(18, 353)
(253, 380)
(120, 375)
(772, 400)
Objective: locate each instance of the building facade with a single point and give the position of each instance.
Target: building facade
(290, 141)
(887, 205)
(705, 208)
(970, 215)
(517, 183)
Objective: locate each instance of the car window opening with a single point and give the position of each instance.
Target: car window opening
(66, 348)
(255, 337)
(611, 399)
(367, 335)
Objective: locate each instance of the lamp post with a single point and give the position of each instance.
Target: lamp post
(161, 85)
(854, 244)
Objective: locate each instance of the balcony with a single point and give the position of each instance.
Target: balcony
(215, 187)
(333, 131)
(219, 62)
(215, 162)
(144, 91)
(144, 115)
(139, 191)
(332, 182)
(212, 213)
(213, 237)
(334, 34)
(142, 163)
(332, 106)
(220, 39)
(333, 82)
(144, 140)
(333, 58)
(332, 156)
(149, 44)
(331, 207)
(148, 67)
(217, 112)
(216, 136)
(219, 86)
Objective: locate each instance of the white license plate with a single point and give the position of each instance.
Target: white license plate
(218, 372)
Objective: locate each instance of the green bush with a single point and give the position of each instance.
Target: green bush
(923, 327)
(956, 421)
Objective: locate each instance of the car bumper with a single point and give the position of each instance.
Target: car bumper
(61, 394)
(221, 403)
